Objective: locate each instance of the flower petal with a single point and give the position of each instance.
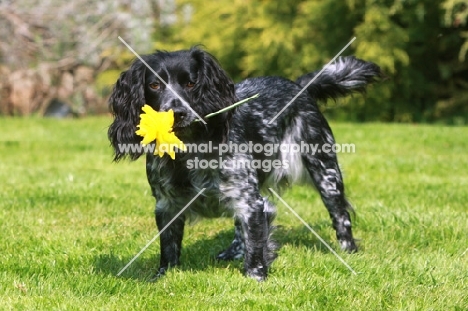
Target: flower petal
(158, 126)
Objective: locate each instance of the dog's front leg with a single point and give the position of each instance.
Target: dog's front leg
(255, 227)
(170, 239)
(260, 247)
(240, 190)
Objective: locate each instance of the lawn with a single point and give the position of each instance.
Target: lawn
(70, 219)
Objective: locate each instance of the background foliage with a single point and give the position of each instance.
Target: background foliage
(420, 45)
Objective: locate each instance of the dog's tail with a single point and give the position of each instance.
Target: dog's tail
(343, 77)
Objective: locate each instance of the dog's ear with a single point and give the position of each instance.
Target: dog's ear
(214, 89)
(125, 103)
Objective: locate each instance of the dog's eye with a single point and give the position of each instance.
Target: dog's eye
(154, 85)
(190, 84)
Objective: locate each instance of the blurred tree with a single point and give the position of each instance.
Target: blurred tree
(452, 104)
(33, 31)
(418, 43)
(55, 49)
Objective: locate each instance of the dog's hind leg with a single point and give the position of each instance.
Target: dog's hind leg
(237, 248)
(327, 178)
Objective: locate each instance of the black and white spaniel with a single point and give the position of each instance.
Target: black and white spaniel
(195, 84)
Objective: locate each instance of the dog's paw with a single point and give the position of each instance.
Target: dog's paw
(258, 274)
(234, 252)
(229, 255)
(348, 246)
(161, 272)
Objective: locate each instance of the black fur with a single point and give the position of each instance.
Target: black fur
(202, 84)
(345, 75)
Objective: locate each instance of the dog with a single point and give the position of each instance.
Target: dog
(193, 84)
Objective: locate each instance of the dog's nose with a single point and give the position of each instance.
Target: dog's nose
(180, 112)
(179, 115)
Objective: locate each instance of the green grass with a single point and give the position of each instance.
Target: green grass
(70, 219)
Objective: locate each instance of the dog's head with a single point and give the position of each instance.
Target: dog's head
(190, 82)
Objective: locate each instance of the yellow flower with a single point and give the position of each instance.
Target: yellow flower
(158, 126)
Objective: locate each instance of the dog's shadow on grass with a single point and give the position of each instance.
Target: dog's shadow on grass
(200, 254)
